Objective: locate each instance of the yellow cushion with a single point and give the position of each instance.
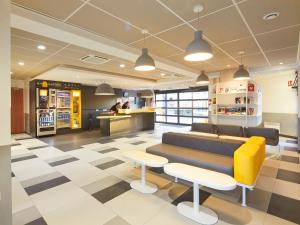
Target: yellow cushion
(248, 160)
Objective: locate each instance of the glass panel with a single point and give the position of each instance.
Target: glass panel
(160, 104)
(160, 97)
(160, 118)
(172, 112)
(172, 119)
(200, 120)
(172, 96)
(185, 120)
(161, 111)
(185, 104)
(200, 104)
(185, 112)
(200, 95)
(185, 95)
(172, 104)
(200, 112)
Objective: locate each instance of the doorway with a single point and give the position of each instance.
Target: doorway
(17, 111)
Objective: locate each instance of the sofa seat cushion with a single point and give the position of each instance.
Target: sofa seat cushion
(203, 134)
(203, 159)
(227, 137)
(271, 135)
(204, 127)
(230, 130)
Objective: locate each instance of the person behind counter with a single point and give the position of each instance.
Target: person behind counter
(116, 107)
(126, 105)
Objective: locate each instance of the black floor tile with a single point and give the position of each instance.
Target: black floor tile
(108, 150)
(19, 139)
(292, 141)
(15, 144)
(23, 158)
(138, 143)
(46, 185)
(68, 147)
(12, 174)
(188, 197)
(291, 159)
(33, 148)
(159, 170)
(105, 141)
(39, 221)
(110, 164)
(131, 136)
(288, 176)
(285, 208)
(64, 161)
(112, 192)
(258, 199)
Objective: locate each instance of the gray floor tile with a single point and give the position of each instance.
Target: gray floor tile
(258, 199)
(64, 161)
(46, 185)
(112, 192)
(108, 150)
(138, 143)
(288, 148)
(110, 164)
(291, 159)
(23, 158)
(117, 221)
(188, 196)
(33, 148)
(39, 221)
(288, 176)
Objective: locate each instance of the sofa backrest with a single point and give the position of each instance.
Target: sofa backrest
(213, 145)
(230, 130)
(204, 127)
(271, 135)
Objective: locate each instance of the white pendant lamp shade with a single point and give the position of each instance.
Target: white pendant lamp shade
(145, 62)
(202, 79)
(146, 94)
(241, 74)
(198, 49)
(104, 89)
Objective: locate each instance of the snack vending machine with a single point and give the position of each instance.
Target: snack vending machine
(63, 98)
(76, 109)
(46, 122)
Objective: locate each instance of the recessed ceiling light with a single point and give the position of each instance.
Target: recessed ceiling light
(241, 52)
(198, 8)
(11, 73)
(228, 65)
(21, 63)
(163, 74)
(281, 63)
(271, 16)
(41, 47)
(122, 65)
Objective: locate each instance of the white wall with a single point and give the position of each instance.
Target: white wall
(278, 97)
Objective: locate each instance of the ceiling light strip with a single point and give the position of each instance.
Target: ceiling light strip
(298, 52)
(250, 31)
(75, 11)
(192, 27)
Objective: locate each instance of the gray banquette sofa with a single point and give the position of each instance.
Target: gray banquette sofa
(271, 135)
(209, 153)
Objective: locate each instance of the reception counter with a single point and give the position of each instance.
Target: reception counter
(127, 122)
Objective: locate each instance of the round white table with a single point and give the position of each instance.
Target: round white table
(202, 177)
(145, 159)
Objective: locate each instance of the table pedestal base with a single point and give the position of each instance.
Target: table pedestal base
(203, 215)
(146, 188)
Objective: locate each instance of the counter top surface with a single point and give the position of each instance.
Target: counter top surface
(113, 117)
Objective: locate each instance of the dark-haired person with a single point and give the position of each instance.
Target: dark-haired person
(126, 105)
(116, 107)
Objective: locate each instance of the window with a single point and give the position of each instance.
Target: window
(182, 106)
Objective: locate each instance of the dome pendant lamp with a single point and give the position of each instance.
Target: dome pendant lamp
(104, 89)
(199, 49)
(202, 79)
(241, 73)
(145, 62)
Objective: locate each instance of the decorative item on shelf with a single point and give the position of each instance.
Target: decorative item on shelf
(251, 87)
(104, 89)
(202, 79)
(144, 62)
(199, 49)
(242, 88)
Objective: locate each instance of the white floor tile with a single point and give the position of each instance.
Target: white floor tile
(86, 155)
(48, 152)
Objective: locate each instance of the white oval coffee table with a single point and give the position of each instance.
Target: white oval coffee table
(145, 159)
(203, 177)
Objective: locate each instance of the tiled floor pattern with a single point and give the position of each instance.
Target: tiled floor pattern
(89, 184)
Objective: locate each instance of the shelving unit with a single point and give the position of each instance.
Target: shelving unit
(235, 102)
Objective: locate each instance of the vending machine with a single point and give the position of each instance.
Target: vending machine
(46, 122)
(76, 109)
(63, 100)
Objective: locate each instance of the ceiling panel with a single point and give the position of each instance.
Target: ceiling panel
(148, 15)
(247, 45)
(185, 8)
(92, 19)
(223, 26)
(255, 10)
(256, 60)
(286, 56)
(279, 39)
(54, 8)
(157, 47)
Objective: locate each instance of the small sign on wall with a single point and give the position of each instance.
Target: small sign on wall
(290, 83)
